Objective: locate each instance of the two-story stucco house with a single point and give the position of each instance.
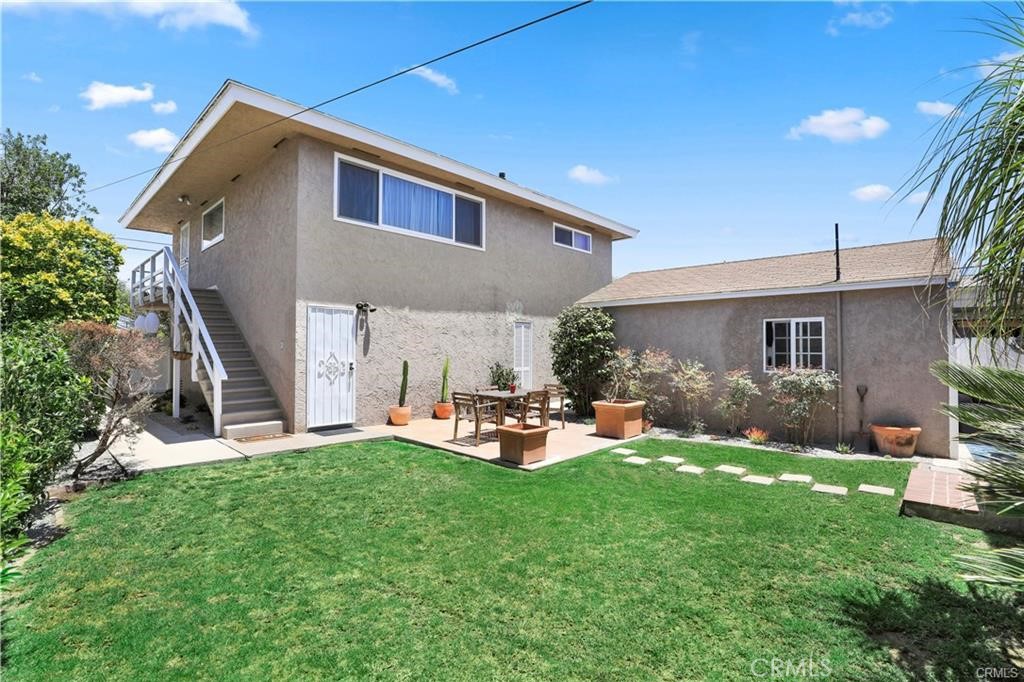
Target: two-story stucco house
(311, 256)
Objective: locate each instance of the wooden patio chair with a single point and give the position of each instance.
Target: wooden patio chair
(535, 403)
(473, 408)
(557, 391)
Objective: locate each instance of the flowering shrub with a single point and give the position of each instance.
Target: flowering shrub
(734, 404)
(756, 436)
(798, 395)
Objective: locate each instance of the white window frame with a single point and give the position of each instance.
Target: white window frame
(519, 368)
(380, 225)
(223, 228)
(793, 321)
(574, 231)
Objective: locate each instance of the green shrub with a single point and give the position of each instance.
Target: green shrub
(641, 376)
(44, 400)
(501, 376)
(798, 395)
(734, 404)
(693, 384)
(582, 346)
(15, 499)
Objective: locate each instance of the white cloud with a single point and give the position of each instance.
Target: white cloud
(168, 107)
(841, 125)
(690, 43)
(180, 16)
(1001, 60)
(33, 77)
(158, 139)
(872, 193)
(588, 175)
(918, 198)
(102, 95)
(878, 17)
(935, 108)
(439, 79)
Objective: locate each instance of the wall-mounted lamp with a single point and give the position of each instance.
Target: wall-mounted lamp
(184, 199)
(364, 306)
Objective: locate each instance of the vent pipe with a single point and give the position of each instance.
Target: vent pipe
(837, 252)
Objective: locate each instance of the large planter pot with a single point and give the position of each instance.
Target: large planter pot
(898, 441)
(619, 418)
(523, 443)
(399, 416)
(443, 410)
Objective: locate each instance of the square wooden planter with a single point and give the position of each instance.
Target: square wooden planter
(619, 418)
(523, 443)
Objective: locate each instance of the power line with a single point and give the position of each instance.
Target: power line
(361, 88)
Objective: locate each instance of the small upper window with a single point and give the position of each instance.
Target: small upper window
(213, 224)
(357, 192)
(572, 238)
(797, 343)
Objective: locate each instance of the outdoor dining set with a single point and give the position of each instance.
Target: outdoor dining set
(489, 405)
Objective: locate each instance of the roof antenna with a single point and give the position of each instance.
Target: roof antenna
(837, 252)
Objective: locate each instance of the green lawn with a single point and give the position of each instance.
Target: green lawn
(391, 561)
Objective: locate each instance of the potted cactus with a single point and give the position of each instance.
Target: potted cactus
(401, 413)
(442, 408)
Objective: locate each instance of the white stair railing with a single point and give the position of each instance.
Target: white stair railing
(159, 280)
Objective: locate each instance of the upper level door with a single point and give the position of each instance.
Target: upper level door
(183, 244)
(330, 366)
(522, 354)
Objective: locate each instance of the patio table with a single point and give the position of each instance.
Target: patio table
(501, 397)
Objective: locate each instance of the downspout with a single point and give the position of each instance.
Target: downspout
(839, 348)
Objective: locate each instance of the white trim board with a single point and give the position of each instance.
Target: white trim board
(233, 92)
(758, 293)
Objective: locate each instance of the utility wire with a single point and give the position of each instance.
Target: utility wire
(361, 88)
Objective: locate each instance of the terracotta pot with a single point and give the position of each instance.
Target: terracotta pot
(523, 443)
(399, 416)
(443, 410)
(898, 441)
(619, 418)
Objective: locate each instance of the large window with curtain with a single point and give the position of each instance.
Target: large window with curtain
(377, 197)
(794, 343)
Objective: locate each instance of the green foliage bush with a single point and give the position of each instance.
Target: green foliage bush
(45, 401)
(57, 270)
(692, 384)
(798, 395)
(501, 376)
(582, 346)
(15, 499)
(734, 404)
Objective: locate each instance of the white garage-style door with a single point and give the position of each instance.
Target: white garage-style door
(330, 366)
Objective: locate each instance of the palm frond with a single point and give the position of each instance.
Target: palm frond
(1004, 566)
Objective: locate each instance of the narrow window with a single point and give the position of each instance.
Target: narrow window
(571, 238)
(522, 354)
(213, 224)
(469, 224)
(357, 192)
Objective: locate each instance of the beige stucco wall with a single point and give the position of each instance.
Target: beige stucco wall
(889, 339)
(433, 299)
(253, 267)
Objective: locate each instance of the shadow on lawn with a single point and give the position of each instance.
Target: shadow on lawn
(932, 631)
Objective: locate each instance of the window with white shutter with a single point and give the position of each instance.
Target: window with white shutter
(522, 358)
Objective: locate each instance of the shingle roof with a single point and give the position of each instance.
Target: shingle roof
(859, 265)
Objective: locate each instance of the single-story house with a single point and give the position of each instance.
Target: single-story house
(311, 256)
(878, 318)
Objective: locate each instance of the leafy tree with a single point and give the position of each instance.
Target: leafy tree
(582, 346)
(693, 384)
(734, 404)
(34, 179)
(798, 395)
(57, 269)
(45, 402)
(652, 382)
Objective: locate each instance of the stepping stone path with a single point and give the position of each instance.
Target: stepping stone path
(875, 489)
(830, 489)
(690, 469)
(760, 480)
(729, 469)
(669, 459)
(623, 451)
(795, 478)
(637, 460)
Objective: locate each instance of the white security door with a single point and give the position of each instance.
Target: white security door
(522, 357)
(183, 244)
(330, 366)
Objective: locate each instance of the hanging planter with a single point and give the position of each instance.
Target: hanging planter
(181, 354)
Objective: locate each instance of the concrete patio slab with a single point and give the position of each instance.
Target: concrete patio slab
(730, 469)
(795, 478)
(637, 460)
(875, 489)
(669, 459)
(829, 489)
(623, 451)
(760, 480)
(690, 469)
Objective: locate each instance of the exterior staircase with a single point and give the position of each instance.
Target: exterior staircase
(248, 406)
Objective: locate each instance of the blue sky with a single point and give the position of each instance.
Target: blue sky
(721, 131)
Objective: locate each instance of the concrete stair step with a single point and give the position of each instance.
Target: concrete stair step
(248, 430)
(259, 391)
(234, 404)
(251, 416)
